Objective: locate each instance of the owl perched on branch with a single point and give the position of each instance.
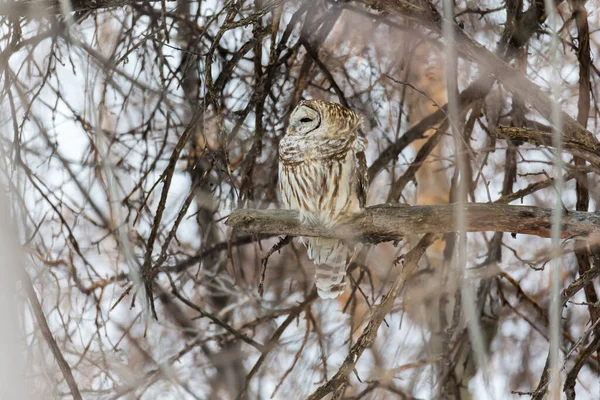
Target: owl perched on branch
(323, 175)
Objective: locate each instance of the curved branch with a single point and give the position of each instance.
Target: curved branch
(387, 222)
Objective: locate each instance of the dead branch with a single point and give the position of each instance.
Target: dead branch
(589, 153)
(388, 222)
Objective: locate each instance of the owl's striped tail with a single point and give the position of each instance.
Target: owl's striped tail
(329, 256)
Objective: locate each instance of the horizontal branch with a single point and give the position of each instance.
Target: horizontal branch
(388, 222)
(589, 152)
(26, 8)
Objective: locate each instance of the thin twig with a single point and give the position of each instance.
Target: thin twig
(47, 334)
(263, 263)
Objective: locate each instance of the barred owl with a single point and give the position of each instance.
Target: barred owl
(323, 175)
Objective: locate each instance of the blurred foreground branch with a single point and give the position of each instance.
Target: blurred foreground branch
(47, 333)
(42, 7)
(387, 222)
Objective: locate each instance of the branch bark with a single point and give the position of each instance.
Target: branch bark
(388, 222)
(589, 153)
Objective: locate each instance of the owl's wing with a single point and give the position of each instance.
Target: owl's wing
(292, 150)
(362, 173)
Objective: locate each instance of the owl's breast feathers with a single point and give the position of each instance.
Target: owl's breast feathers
(326, 183)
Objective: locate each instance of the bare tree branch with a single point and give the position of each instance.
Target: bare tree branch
(47, 333)
(589, 153)
(51, 7)
(393, 221)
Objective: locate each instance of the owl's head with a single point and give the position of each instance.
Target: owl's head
(318, 118)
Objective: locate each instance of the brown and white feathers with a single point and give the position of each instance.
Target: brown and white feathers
(323, 175)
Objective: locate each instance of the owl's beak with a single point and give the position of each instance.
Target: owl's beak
(291, 128)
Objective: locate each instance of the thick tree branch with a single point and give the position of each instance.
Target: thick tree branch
(588, 152)
(387, 222)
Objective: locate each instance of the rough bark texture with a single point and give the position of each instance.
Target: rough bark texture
(393, 221)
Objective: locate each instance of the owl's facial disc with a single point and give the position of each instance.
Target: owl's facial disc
(304, 120)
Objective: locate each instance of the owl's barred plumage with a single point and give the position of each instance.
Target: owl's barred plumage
(323, 175)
